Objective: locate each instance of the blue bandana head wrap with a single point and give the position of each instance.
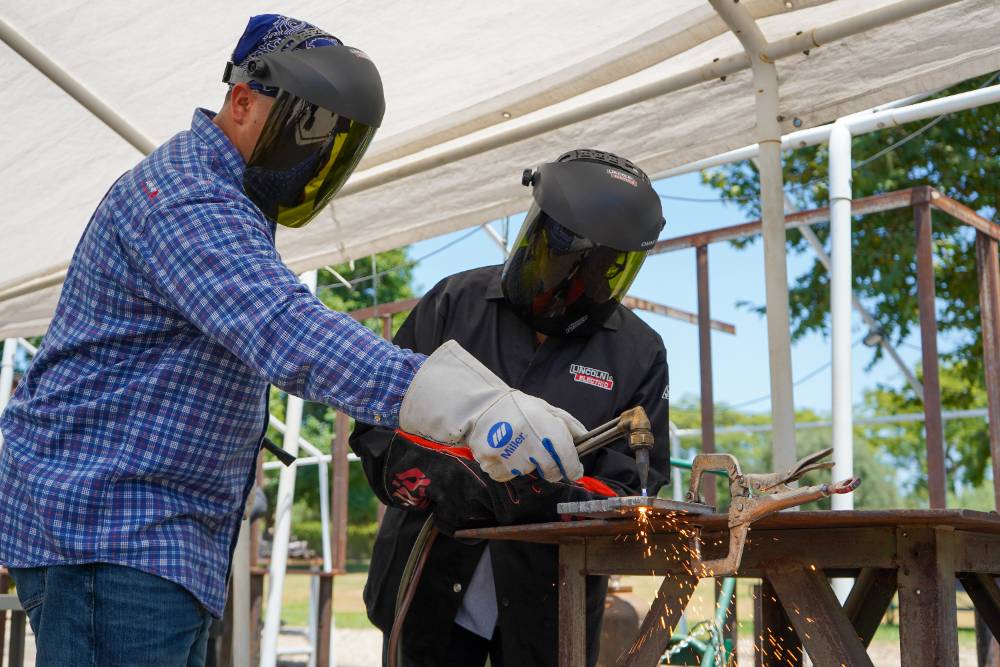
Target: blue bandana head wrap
(266, 33)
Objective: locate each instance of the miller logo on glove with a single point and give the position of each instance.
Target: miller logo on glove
(455, 399)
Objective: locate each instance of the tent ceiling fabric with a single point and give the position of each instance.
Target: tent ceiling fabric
(444, 66)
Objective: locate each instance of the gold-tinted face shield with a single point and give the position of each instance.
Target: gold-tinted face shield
(304, 156)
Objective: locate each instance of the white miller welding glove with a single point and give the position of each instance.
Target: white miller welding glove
(456, 399)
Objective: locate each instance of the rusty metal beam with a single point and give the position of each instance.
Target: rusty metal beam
(869, 598)
(928, 628)
(863, 206)
(965, 215)
(654, 633)
(705, 365)
(933, 424)
(384, 309)
(818, 619)
(977, 552)
(339, 493)
(988, 270)
(985, 596)
(635, 303)
(572, 603)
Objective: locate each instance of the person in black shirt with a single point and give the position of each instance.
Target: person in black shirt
(548, 322)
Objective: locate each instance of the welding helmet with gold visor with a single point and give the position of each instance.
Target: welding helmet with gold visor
(593, 220)
(328, 105)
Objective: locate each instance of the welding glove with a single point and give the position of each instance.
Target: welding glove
(413, 473)
(455, 399)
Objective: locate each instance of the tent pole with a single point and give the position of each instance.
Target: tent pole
(7, 371)
(765, 81)
(6, 375)
(282, 522)
(60, 76)
(840, 306)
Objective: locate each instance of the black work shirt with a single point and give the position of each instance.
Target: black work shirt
(595, 379)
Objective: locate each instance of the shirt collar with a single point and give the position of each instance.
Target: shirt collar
(494, 292)
(228, 159)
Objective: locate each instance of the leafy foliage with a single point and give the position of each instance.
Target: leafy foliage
(967, 445)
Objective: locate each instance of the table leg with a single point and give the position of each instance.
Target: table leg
(654, 633)
(869, 598)
(16, 650)
(818, 619)
(928, 627)
(572, 605)
(775, 641)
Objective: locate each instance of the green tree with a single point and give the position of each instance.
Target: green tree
(966, 441)
(960, 156)
(393, 283)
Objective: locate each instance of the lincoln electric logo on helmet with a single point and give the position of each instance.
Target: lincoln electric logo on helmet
(622, 176)
(501, 435)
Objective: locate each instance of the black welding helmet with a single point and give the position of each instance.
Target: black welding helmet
(328, 104)
(594, 218)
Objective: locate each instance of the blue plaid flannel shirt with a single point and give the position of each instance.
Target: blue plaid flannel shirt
(132, 439)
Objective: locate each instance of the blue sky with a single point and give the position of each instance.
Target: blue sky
(740, 365)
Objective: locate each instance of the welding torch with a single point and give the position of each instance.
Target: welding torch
(633, 424)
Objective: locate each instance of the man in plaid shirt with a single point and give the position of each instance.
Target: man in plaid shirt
(130, 444)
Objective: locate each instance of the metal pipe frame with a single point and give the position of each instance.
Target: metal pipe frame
(765, 81)
(705, 363)
(933, 424)
(903, 418)
(840, 307)
(988, 270)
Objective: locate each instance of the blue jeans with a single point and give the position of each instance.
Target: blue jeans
(98, 615)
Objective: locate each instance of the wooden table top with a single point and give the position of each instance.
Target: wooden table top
(960, 519)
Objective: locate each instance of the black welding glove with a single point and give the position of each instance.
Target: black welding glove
(446, 480)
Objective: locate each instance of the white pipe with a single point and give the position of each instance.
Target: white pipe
(7, 371)
(74, 88)
(861, 123)
(535, 125)
(29, 348)
(881, 419)
(241, 595)
(765, 84)
(282, 522)
(497, 238)
(6, 375)
(840, 308)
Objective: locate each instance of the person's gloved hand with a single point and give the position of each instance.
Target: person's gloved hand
(456, 399)
(427, 476)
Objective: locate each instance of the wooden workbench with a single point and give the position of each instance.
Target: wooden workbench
(917, 553)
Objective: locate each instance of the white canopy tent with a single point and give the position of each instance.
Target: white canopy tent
(474, 95)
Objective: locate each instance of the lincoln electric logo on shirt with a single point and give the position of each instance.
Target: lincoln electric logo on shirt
(592, 376)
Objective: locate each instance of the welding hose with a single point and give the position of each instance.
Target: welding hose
(408, 587)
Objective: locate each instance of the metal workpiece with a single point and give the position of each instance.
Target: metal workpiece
(611, 508)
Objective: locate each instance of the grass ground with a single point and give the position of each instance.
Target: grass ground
(349, 609)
